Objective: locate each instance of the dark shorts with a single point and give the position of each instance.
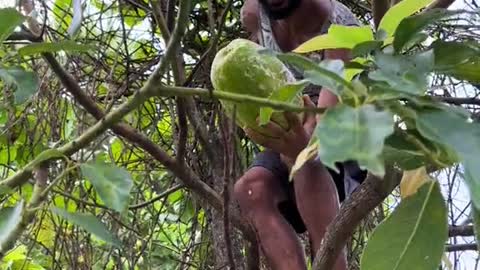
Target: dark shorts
(348, 178)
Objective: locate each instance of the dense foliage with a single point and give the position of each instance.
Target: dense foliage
(116, 154)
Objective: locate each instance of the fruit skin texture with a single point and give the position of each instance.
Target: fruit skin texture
(240, 68)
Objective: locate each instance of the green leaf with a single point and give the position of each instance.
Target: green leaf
(10, 217)
(365, 48)
(457, 132)
(468, 71)
(65, 45)
(16, 254)
(10, 18)
(328, 73)
(383, 91)
(347, 133)
(400, 11)
(89, 223)
(450, 54)
(411, 26)
(26, 82)
(112, 183)
(5, 189)
(7, 154)
(403, 153)
(413, 236)
(338, 36)
(406, 74)
(472, 178)
(320, 78)
(286, 94)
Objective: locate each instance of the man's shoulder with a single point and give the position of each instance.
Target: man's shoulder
(342, 15)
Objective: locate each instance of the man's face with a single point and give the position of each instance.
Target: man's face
(280, 9)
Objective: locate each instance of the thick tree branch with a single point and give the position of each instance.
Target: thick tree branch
(379, 8)
(368, 195)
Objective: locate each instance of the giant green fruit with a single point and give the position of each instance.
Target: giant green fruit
(240, 68)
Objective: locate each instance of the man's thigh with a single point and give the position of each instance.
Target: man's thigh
(271, 161)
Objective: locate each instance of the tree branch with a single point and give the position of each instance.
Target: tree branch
(160, 196)
(379, 8)
(440, 4)
(461, 247)
(464, 230)
(368, 195)
(28, 212)
(170, 91)
(459, 101)
(160, 19)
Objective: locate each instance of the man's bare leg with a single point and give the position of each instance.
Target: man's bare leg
(318, 203)
(259, 193)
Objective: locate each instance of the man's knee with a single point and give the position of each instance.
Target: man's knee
(256, 187)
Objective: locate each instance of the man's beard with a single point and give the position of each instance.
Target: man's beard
(282, 13)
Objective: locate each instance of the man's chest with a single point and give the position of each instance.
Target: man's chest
(288, 39)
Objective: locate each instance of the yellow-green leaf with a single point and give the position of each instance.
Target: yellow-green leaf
(400, 11)
(412, 180)
(338, 37)
(308, 153)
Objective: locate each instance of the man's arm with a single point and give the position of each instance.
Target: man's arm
(249, 18)
(326, 98)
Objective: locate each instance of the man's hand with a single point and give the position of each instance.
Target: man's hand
(289, 143)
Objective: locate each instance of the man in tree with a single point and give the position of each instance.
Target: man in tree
(275, 207)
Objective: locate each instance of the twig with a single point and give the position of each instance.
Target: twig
(440, 4)
(182, 130)
(212, 47)
(461, 247)
(170, 14)
(160, 19)
(459, 101)
(81, 201)
(167, 91)
(368, 195)
(465, 230)
(159, 197)
(174, 41)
